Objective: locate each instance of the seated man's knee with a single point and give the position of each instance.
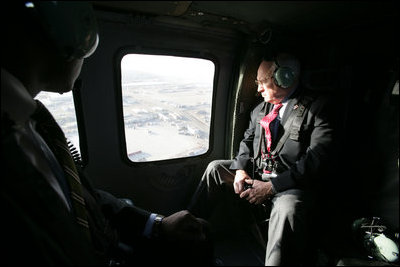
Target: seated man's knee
(289, 205)
(218, 172)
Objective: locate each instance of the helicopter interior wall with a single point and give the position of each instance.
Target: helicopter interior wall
(370, 132)
(367, 69)
(163, 186)
(361, 71)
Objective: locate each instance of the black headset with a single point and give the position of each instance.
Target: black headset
(284, 76)
(70, 25)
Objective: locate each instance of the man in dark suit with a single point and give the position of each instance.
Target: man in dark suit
(280, 162)
(52, 215)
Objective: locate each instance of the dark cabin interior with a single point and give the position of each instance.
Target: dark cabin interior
(349, 49)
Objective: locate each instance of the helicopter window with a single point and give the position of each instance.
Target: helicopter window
(166, 106)
(63, 110)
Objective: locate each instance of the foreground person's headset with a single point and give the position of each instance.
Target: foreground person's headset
(71, 26)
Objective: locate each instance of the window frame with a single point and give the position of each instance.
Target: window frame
(119, 101)
(80, 121)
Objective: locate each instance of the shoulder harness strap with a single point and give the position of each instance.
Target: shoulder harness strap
(294, 122)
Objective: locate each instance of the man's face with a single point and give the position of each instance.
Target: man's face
(269, 90)
(62, 75)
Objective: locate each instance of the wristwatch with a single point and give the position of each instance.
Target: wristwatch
(157, 226)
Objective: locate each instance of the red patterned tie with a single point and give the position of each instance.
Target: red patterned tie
(265, 122)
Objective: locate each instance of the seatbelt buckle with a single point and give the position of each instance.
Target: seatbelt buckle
(270, 169)
(266, 177)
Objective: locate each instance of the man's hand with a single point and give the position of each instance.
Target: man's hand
(259, 191)
(238, 184)
(182, 225)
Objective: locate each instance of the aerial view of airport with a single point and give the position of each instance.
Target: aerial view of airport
(165, 118)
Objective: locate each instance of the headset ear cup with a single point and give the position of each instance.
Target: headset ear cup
(284, 77)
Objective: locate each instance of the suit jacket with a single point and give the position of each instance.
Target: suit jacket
(304, 158)
(37, 227)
